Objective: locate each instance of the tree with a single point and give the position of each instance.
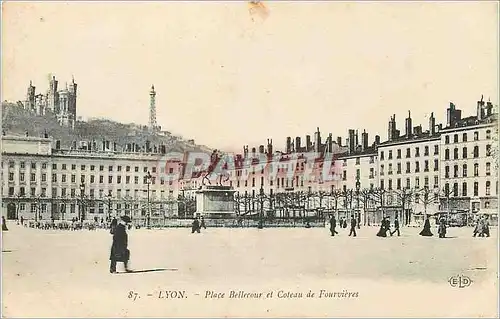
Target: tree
(348, 196)
(426, 197)
(336, 194)
(405, 196)
(365, 195)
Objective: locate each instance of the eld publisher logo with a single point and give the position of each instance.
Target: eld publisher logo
(460, 281)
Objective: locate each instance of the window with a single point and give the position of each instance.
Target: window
(464, 137)
(382, 155)
(344, 177)
(399, 153)
(436, 165)
(455, 189)
(436, 149)
(476, 151)
(426, 166)
(390, 154)
(476, 169)
(118, 179)
(371, 172)
(455, 138)
(382, 170)
(476, 189)
(408, 183)
(408, 169)
(110, 168)
(153, 169)
(127, 179)
(21, 177)
(464, 189)
(447, 189)
(101, 179)
(82, 167)
(33, 177)
(358, 173)
(488, 186)
(136, 169)
(455, 171)
(426, 151)
(92, 167)
(119, 168)
(11, 191)
(92, 179)
(390, 184)
(11, 176)
(447, 139)
(488, 150)
(464, 152)
(417, 167)
(488, 169)
(73, 167)
(381, 184)
(436, 181)
(44, 177)
(399, 169)
(426, 181)
(22, 164)
(417, 182)
(33, 191)
(446, 171)
(357, 161)
(476, 136)
(110, 179)
(407, 152)
(455, 153)
(82, 178)
(398, 183)
(127, 169)
(33, 165)
(464, 170)
(417, 151)
(101, 168)
(390, 169)
(446, 154)
(145, 169)
(488, 134)
(136, 180)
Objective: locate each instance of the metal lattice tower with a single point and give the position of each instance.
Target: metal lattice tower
(152, 109)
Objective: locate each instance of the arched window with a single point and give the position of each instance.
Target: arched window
(446, 154)
(464, 170)
(464, 152)
(488, 188)
(464, 189)
(476, 169)
(455, 153)
(476, 151)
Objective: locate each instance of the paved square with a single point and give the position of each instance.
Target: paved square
(223, 272)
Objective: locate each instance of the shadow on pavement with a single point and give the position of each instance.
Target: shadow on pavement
(149, 270)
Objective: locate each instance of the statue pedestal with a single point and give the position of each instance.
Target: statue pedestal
(215, 202)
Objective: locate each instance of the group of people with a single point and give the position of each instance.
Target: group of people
(197, 225)
(343, 224)
(385, 227)
(482, 228)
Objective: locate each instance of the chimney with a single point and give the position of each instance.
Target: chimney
(308, 143)
(73, 146)
(330, 143)
(364, 140)
(254, 150)
(417, 130)
(270, 146)
(317, 140)
(351, 141)
(480, 109)
(356, 140)
(297, 143)
(432, 125)
(339, 140)
(261, 149)
(288, 145)
(408, 126)
(389, 130)
(377, 139)
(114, 146)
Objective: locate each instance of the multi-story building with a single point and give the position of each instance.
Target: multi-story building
(40, 181)
(60, 103)
(469, 175)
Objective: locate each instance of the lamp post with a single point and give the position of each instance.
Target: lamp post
(82, 197)
(108, 197)
(358, 186)
(148, 182)
(261, 221)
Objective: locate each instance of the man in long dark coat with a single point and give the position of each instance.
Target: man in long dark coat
(195, 227)
(353, 226)
(396, 227)
(119, 249)
(333, 225)
(4, 224)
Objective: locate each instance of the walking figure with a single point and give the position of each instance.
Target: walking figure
(396, 227)
(119, 248)
(195, 227)
(202, 223)
(113, 225)
(383, 228)
(427, 228)
(4, 224)
(333, 225)
(353, 226)
(442, 228)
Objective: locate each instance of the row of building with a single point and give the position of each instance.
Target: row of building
(449, 167)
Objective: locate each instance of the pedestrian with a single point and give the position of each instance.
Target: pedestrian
(396, 227)
(427, 228)
(383, 230)
(486, 227)
(119, 248)
(202, 223)
(113, 225)
(4, 224)
(22, 221)
(477, 228)
(195, 227)
(333, 225)
(353, 226)
(442, 228)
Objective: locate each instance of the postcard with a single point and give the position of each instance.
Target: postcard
(256, 159)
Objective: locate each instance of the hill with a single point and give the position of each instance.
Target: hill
(17, 121)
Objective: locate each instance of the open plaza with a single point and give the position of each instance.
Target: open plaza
(249, 272)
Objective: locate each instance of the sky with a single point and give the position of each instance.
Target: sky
(227, 78)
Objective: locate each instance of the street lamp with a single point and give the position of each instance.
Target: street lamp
(108, 197)
(261, 222)
(148, 182)
(82, 196)
(358, 186)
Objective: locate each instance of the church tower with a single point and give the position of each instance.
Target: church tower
(30, 98)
